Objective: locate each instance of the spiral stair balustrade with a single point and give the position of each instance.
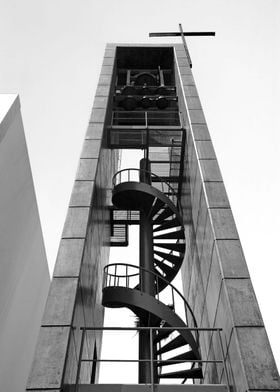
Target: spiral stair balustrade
(133, 189)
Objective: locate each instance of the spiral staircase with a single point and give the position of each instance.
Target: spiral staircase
(156, 307)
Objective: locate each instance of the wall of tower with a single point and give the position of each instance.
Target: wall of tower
(74, 297)
(216, 280)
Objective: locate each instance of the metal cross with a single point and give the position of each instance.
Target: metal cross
(183, 34)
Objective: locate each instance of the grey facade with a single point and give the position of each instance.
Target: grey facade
(24, 275)
(216, 281)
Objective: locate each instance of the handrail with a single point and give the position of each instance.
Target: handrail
(115, 276)
(115, 182)
(218, 361)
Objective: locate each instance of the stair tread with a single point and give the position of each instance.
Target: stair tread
(168, 270)
(178, 234)
(168, 256)
(166, 213)
(178, 247)
(188, 373)
(178, 341)
(156, 207)
(168, 225)
(188, 355)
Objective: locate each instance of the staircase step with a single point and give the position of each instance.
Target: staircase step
(189, 355)
(156, 207)
(166, 213)
(179, 341)
(168, 225)
(165, 268)
(180, 234)
(168, 245)
(162, 334)
(189, 373)
(169, 257)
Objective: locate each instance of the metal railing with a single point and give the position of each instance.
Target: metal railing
(219, 361)
(146, 118)
(131, 276)
(133, 174)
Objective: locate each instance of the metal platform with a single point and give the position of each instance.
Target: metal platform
(148, 388)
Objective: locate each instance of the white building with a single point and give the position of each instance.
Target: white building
(24, 276)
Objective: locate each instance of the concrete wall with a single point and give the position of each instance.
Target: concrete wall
(215, 276)
(24, 275)
(74, 298)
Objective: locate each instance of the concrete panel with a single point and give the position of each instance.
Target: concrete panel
(76, 223)
(87, 169)
(240, 292)
(60, 303)
(108, 61)
(205, 149)
(187, 80)
(48, 363)
(199, 299)
(105, 80)
(213, 289)
(193, 103)
(102, 91)
(81, 194)
(207, 251)
(95, 131)
(201, 223)
(91, 148)
(223, 224)
(196, 191)
(69, 258)
(197, 116)
(234, 366)
(185, 70)
(107, 70)
(216, 195)
(210, 170)
(257, 358)
(200, 132)
(190, 91)
(72, 362)
(100, 102)
(98, 115)
(232, 258)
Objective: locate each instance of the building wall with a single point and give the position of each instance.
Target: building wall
(24, 275)
(74, 298)
(215, 275)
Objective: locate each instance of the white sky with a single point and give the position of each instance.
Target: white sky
(51, 53)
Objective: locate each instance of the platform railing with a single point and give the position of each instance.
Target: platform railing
(146, 118)
(219, 359)
(130, 276)
(134, 174)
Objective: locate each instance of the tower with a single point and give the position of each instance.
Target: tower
(147, 99)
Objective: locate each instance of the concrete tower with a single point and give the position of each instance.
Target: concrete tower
(212, 333)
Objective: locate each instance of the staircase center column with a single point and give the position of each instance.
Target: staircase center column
(147, 279)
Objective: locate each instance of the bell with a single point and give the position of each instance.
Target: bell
(129, 103)
(145, 78)
(161, 102)
(128, 90)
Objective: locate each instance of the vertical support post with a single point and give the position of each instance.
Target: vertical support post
(147, 279)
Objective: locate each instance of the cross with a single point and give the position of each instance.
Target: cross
(183, 34)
